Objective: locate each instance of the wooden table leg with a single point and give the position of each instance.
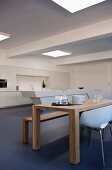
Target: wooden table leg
(74, 140)
(35, 128)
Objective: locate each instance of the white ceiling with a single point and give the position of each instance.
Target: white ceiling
(32, 20)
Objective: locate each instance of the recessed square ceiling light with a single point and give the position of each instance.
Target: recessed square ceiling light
(56, 53)
(4, 36)
(76, 5)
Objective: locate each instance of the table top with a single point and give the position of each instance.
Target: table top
(82, 107)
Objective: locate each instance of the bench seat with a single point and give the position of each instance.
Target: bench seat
(43, 118)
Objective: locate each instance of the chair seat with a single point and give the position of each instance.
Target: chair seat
(102, 126)
(97, 119)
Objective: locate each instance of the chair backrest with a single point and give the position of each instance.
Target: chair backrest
(96, 118)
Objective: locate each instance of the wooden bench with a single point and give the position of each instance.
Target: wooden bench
(43, 118)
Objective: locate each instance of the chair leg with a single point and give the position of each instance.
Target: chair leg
(103, 132)
(102, 147)
(91, 136)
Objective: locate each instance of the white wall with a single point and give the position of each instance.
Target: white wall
(91, 75)
(59, 77)
(31, 82)
(97, 75)
(25, 77)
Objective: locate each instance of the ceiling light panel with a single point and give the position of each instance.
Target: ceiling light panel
(56, 53)
(4, 36)
(76, 5)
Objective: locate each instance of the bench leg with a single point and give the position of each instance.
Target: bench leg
(25, 131)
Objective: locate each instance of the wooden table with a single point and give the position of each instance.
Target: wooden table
(74, 133)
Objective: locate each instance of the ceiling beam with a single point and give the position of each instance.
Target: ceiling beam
(94, 31)
(84, 58)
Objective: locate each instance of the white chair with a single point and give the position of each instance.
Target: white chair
(97, 119)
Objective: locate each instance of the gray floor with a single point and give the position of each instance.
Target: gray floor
(54, 153)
